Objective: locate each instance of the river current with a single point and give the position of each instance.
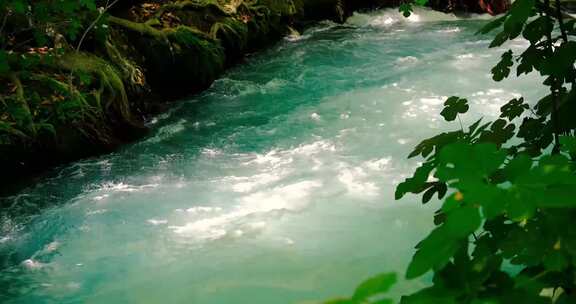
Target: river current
(274, 186)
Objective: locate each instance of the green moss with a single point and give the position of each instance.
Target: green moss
(203, 58)
(180, 57)
(232, 33)
(107, 76)
(18, 108)
(41, 104)
(177, 49)
(131, 73)
(284, 7)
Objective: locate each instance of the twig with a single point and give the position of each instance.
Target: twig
(93, 24)
(85, 34)
(459, 120)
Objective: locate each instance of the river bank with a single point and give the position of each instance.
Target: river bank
(275, 185)
(74, 102)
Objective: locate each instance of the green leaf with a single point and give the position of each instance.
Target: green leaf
(500, 132)
(519, 13)
(7, 128)
(431, 295)
(485, 301)
(463, 221)
(561, 61)
(529, 283)
(417, 183)
(437, 142)
(474, 127)
(405, 9)
(437, 187)
(518, 166)
(537, 29)
(89, 4)
(74, 28)
(520, 204)
(40, 37)
(554, 169)
(19, 6)
(514, 108)
(383, 301)
(502, 69)
(434, 251)
(374, 286)
(555, 261)
(68, 7)
(568, 143)
(571, 27)
(530, 59)
(46, 127)
(531, 128)
(550, 184)
(561, 196)
(499, 39)
(564, 299)
(521, 296)
(427, 196)
(461, 161)
(453, 106)
(479, 131)
(490, 197)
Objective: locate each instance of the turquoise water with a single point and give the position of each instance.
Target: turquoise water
(274, 186)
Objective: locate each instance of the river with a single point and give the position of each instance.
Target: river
(274, 186)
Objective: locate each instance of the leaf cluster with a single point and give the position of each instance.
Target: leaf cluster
(508, 187)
